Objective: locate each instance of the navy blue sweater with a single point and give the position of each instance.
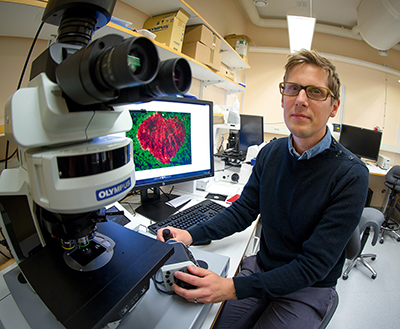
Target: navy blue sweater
(308, 211)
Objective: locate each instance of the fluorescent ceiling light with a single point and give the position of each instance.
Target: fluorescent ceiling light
(301, 31)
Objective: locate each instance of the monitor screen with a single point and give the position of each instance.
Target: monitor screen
(251, 131)
(172, 142)
(364, 143)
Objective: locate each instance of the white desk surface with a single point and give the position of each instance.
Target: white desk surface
(234, 247)
(375, 170)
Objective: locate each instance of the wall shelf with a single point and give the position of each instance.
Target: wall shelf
(199, 70)
(156, 7)
(31, 14)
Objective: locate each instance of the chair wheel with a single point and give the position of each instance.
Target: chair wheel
(373, 258)
(398, 239)
(345, 277)
(381, 241)
(373, 276)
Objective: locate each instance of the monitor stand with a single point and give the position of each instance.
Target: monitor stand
(154, 205)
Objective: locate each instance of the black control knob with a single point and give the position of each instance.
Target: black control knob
(167, 234)
(235, 177)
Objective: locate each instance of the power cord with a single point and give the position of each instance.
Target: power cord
(221, 145)
(169, 193)
(4, 243)
(19, 86)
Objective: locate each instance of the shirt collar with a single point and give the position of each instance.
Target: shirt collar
(324, 144)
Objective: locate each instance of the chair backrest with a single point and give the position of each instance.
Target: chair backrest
(354, 245)
(374, 219)
(370, 217)
(393, 175)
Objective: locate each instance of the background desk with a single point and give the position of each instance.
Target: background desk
(234, 247)
(377, 184)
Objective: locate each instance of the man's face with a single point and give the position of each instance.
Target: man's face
(306, 118)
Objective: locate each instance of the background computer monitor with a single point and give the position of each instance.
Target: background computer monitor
(251, 131)
(172, 143)
(364, 143)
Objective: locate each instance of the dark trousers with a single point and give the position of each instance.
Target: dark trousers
(303, 309)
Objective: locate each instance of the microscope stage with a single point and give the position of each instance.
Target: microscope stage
(93, 299)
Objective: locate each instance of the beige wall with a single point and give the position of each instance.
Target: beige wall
(225, 16)
(127, 13)
(13, 53)
(372, 97)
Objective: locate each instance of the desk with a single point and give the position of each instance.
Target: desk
(233, 247)
(376, 184)
(375, 170)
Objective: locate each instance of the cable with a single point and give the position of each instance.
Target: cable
(169, 193)
(5, 244)
(8, 157)
(221, 145)
(19, 85)
(29, 54)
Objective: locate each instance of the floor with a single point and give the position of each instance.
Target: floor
(366, 303)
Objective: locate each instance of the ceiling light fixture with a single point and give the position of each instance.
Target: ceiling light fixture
(260, 3)
(300, 27)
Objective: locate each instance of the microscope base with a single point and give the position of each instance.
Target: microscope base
(91, 299)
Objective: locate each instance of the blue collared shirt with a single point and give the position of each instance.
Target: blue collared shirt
(324, 144)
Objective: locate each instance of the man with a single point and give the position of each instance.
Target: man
(310, 192)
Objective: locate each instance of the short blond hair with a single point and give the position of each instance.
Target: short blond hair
(312, 57)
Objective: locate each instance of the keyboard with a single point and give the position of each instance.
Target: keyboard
(185, 219)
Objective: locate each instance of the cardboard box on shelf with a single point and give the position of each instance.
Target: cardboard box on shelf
(224, 70)
(197, 51)
(216, 44)
(197, 39)
(169, 28)
(203, 54)
(241, 44)
(199, 33)
(215, 60)
(204, 35)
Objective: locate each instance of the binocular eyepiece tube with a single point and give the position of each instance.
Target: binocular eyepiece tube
(99, 72)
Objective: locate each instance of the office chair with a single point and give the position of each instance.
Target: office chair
(392, 181)
(329, 315)
(370, 218)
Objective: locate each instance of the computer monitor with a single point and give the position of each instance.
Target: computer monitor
(172, 143)
(251, 131)
(364, 143)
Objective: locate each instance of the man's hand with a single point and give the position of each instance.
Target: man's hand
(211, 288)
(177, 235)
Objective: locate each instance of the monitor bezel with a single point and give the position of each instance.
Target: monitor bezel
(253, 116)
(176, 180)
(365, 131)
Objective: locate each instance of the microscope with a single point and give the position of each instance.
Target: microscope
(88, 271)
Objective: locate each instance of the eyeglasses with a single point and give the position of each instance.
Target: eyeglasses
(312, 92)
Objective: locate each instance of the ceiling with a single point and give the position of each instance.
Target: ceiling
(340, 13)
(375, 22)
(336, 17)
